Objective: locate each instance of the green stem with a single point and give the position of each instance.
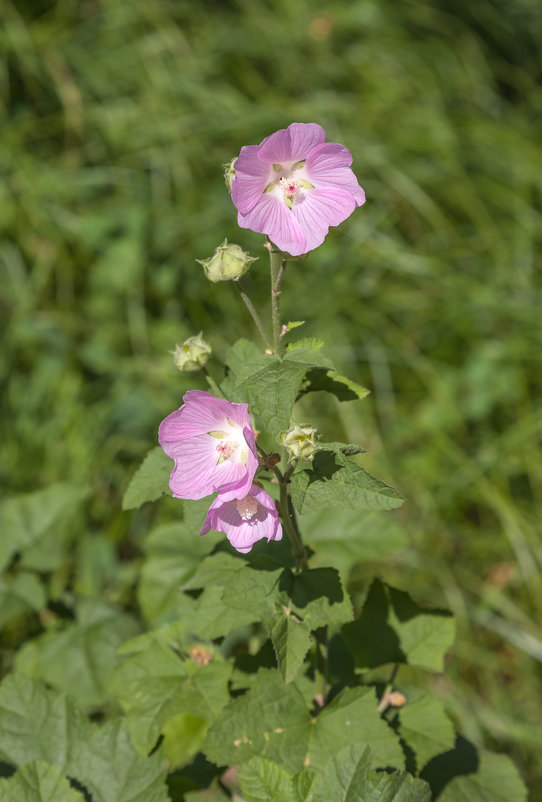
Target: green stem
(278, 266)
(255, 317)
(214, 385)
(289, 520)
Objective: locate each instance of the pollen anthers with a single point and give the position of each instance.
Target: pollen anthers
(247, 508)
(227, 446)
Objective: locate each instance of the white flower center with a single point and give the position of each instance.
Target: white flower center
(247, 508)
(291, 180)
(232, 444)
(227, 447)
(289, 186)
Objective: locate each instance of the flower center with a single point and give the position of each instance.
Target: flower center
(247, 508)
(226, 448)
(289, 186)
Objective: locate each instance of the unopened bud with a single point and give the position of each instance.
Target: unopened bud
(229, 262)
(192, 354)
(301, 441)
(229, 173)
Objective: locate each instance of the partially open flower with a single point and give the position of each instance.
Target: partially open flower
(244, 520)
(212, 443)
(293, 186)
(301, 441)
(192, 354)
(228, 263)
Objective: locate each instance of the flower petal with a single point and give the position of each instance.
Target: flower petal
(320, 209)
(275, 148)
(251, 178)
(303, 138)
(328, 165)
(271, 216)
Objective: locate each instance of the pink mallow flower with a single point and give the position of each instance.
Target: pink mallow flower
(244, 520)
(212, 443)
(293, 186)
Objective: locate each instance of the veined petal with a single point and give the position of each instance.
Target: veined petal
(271, 216)
(303, 138)
(251, 178)
(224, 516)
(276, 148)
(329, 156)
(320, 209)
(328, 165)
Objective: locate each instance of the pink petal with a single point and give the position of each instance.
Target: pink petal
(275, 148)
(223, 516)
(272, 216)
(304, 137)
(251, 178)
(328, 166)
(320, 209)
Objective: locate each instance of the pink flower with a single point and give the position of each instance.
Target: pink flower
(244, 520)
(293, 186)
(212, 443)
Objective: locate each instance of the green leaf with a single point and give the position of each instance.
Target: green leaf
(353, 718)
(271, 384)
(79, 659)
(40, 724)
(336, 481)
(291, 639)
(208, 617)
(308, 352)
(294, 324)
(271, 720)
(496, 780)
(19, 594)
(343, 777)
(174, 553)
(39, 525)
(348, 449)
(150, 481)
(426, 728)
(331, 382)
(217, 569)
(395, 787)
(264, 781)
(392, 628)
(346, 537)
(156, 685)
(38, 782)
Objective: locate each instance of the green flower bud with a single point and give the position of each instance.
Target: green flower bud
(192, 354)
(301, 441)
(229, 262)
(229, 173)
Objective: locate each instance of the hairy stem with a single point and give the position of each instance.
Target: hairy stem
(255, 317)
(278, 266)
(289, 520)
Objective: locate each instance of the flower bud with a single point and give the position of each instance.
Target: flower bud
(192, 354)
(301, 441)
(229, 173)
(229, 262)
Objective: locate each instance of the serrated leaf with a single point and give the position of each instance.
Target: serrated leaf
(80, 657)
(392, 628)
(426, 728)
(156, 685)
(291, 640)
(40, 724)
(330, 381)
(39, 525)
(348, 449)
(217, 569)
(264, 781)
(353, 718)
(343, 777)
(271, 720)
(336, 481)
(307, 351)
(395, 787)
(150, 481)
(496, 780)
(208, 617)
(38, 782)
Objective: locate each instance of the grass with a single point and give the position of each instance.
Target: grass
(116, 119)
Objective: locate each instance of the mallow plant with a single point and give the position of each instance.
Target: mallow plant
(257, 675)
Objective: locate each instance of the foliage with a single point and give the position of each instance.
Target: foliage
(115, 120)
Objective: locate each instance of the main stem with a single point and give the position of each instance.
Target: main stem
(289, 519)
(278, 266)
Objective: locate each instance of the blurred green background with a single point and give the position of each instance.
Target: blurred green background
(117, 118)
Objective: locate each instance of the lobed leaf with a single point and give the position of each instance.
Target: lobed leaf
(150, 481)
(335, 481)
(426, 728)
(330, 381)
(264, 781)
(38, 782)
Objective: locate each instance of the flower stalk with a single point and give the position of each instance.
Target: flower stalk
(278, 266)
(255, 317)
